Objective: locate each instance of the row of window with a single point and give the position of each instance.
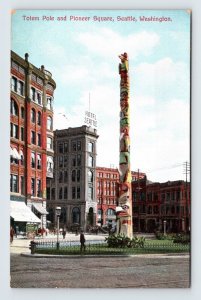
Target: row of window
(63, 147)
(164, 210)
(107, 201)
(75, 215)
(176, 195)
(17, 67)
(15, 132)
(63, 193)
(109, 212)
(107, 175)
(107, 184)
(106, 192)
(34, 118)
(16, 188)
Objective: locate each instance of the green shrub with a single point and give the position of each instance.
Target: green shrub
(122, 241)
(181, 238)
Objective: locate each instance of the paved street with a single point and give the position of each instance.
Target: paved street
(161, 271)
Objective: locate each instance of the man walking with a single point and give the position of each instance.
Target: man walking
(82, 241)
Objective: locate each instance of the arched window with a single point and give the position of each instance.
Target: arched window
(76, 215)
(39, 118)
(33, 115)
(63, 215)
(49, 123)
(50, 216)
(110, 212)
(14, 108)
(60, 177)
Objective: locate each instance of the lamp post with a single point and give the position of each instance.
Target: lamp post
(164, 226)
(58, 213)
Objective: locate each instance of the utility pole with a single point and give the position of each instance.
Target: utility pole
(186, 166)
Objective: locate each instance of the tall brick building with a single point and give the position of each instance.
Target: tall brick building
(156, 205)
(107, 193)
(31, 138)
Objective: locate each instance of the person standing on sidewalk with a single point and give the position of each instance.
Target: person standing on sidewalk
(82, 241)
(12, 233)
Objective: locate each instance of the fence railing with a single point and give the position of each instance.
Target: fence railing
(101, 247)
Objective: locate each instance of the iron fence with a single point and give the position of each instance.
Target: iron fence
(101, 248)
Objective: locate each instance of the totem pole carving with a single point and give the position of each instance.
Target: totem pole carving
(124, 208)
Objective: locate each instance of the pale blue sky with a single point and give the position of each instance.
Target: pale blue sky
(83, 58)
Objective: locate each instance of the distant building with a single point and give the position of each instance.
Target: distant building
(156, 204)
(73, 185)
(107, 193)
(31, 140)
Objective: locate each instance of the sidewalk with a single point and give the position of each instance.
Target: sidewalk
(21, 244)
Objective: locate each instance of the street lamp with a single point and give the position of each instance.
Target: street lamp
(58, 213)
(164, 226)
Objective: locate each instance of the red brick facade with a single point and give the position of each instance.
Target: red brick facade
(28, 130)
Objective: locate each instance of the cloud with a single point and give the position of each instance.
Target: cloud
(108, 43)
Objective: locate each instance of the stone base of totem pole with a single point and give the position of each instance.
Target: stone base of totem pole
(124, 226)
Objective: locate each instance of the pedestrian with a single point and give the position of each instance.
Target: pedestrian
(12, 232)
(64, 233)
(82, 241)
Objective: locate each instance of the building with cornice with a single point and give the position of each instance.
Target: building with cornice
(73, 185)
(31, 141)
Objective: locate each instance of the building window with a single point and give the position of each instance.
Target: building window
(33, 186)
(49, 123)
(90, 176)
(60, 193)
(90, 161)
(90, 192)
(14, 84)
(90, 147)
(39, 161)
(65, 161)
(39, 98)
(33, 160)
(73, 192)
(78, 192)
(65, 192)
(22, 185)
(22, 157)
(60, 177)
(39, 193)
(22, 112)
(53, 194)
(14, 183)
(73, 146)
(65, 147)
(14, 130)
(73, 175)
(61, 161)
(60, 147)
(49, 143)
(79, 146)
(13, 108)
(50, 103)
(73, 160)
(78, 160)
(76, 215)
(33, 137)
(39, 118)
(50, 164)
(78, 175)
(22, 133)
(33, 115)
(33, 94)
(20, 88)
(39, 139)
(65, 176)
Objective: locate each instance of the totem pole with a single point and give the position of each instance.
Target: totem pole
(124, 208)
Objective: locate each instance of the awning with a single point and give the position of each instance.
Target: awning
(16, 154)
(22, 213)
(40, 208)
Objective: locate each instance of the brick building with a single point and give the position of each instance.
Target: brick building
(156, 205)
(31, 139)
(73, 185)
(107, 193)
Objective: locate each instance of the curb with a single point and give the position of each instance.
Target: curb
(173, 255)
